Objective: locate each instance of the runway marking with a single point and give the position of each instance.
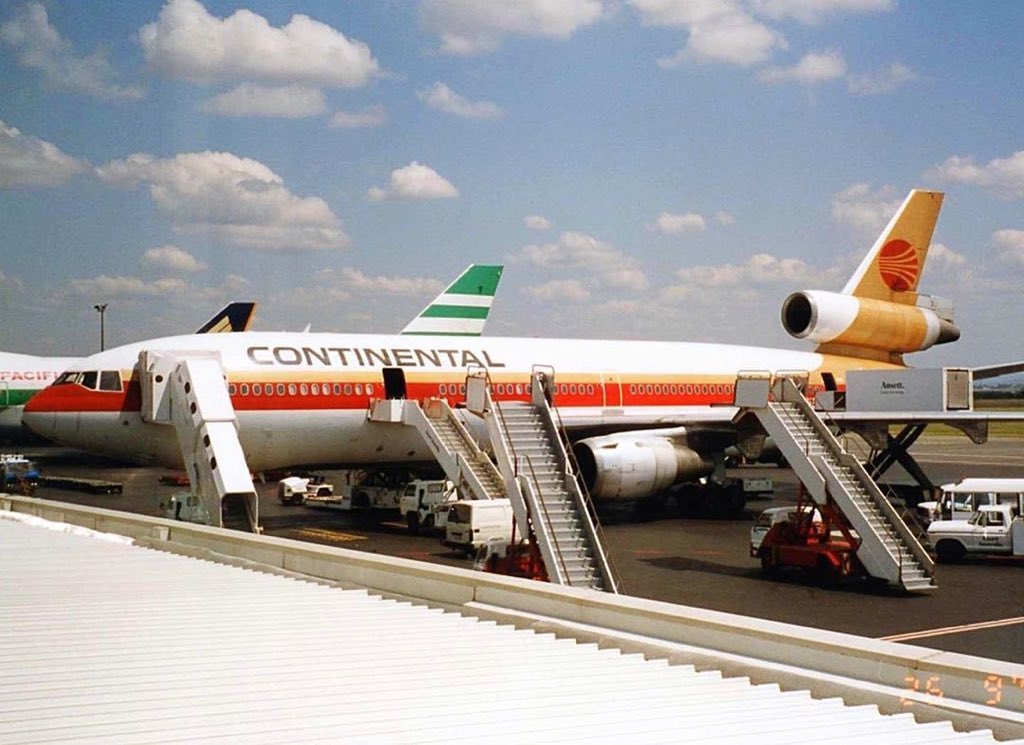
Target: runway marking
(331, 535)
(954, 629)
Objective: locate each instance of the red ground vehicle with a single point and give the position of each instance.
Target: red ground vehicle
(816, 537)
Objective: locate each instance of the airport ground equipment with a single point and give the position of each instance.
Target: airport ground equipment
(887, 549)
(188, 391)
(991, 529)
(456, 451)
(811, 537)
(89, 486)
(533, 471)
(424, 504)
(550, 506)
(18, 474)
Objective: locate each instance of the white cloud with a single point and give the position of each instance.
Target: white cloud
(812, 68)
(607, 265)
(174, 258)
(725, 218)
(442, 98)
(537, 222)
(237, 200)
(286, 102)
(1010, 244)
(866, 212)
(39, 46)
(30, 162)
(1002, 176)
(354, 280)
(109, 287)
(469, 27)
(414, 181)
(556, 290)
(719, 31)
(883, 81)
(373, 116)
(188, 42)
(674, 224)
(815, 11)
(706, 284)
(942, 256)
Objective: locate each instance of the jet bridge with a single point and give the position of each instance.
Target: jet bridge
(188, 390)
(888, 549)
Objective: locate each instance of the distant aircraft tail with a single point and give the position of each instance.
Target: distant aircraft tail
(879, 314)
(461, 310)
(233, 317)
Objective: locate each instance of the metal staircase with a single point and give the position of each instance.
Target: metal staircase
(888, 549)
(188, 390)
(546, 496)
(456, 451)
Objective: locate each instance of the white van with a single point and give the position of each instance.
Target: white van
(961, 499)
(474, 522)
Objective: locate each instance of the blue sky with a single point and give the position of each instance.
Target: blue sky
(644, 168)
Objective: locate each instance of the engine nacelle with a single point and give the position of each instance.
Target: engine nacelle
(634, 465)
(847, 320)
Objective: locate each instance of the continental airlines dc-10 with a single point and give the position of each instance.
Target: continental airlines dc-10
(642, 415)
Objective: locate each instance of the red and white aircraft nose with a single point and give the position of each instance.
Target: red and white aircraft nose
(40, 413)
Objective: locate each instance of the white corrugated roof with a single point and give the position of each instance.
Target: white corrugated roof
(104, 642)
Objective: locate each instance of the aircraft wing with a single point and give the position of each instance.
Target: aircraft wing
(996, 371)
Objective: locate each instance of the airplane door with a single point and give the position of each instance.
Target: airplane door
(394, 382)
(611, 390)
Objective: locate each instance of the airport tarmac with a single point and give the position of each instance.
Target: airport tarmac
(977, 609)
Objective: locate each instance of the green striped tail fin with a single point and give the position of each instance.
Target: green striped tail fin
(461, 310)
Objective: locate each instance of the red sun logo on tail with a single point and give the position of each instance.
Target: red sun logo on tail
(897, 263)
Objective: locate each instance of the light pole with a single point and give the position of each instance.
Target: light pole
(102, 308)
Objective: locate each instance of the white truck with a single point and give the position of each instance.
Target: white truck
(424, 504)
(991, 529)
(959, 500)
(297, 489)
(473, 523)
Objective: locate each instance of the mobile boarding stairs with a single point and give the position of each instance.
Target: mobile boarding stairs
(534, 471)
(889, 549)
(189, 391)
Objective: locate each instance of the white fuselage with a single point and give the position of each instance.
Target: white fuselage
(303, 398)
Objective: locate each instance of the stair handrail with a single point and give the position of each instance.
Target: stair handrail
(536, 507)
(493, 407)
(845, 459)
(585, 506)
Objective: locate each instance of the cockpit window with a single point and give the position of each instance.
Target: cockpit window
(89, 379)
(110, 380)
(65, 378)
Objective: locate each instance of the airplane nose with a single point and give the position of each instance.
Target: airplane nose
(40, 414)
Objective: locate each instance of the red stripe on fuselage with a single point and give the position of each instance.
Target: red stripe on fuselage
(295, 393)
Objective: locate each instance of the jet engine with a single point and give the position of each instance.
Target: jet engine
(867, 323)
(634, 465)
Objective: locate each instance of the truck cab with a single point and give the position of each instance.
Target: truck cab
(424, 504)
(187, 507)
(991, 529)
